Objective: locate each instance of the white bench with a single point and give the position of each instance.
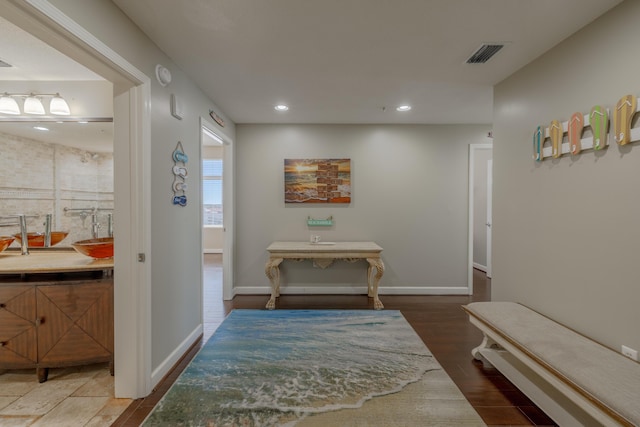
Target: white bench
(575, 380)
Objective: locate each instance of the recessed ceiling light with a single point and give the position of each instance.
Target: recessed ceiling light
(42, 128)
(281, 107)
(403, 108)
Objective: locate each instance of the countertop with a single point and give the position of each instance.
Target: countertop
(324, 247)
(50, 261)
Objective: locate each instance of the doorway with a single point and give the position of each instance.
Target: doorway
(479, 251)
(489, 214)
(212, 211)
(212, 154)
(220, 234)
(131, 100)
(73, 153)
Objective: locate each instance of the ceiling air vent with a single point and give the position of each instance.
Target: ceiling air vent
(4, 64)
(484, 53)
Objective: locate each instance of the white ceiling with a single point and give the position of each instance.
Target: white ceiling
(342, 61)
(34, 66)
(32, 59)
(332, 61)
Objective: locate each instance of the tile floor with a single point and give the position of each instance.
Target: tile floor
(84, 395)
(74, 396)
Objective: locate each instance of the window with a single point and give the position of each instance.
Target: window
(212, 191)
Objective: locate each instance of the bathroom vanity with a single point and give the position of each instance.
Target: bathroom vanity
(56, 309)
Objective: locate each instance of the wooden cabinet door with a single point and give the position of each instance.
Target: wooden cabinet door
(17, 326)
(75, 323)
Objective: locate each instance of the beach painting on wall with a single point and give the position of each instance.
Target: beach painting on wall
(317, 180)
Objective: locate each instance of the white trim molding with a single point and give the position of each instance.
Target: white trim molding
(165, 366)
(342, 289)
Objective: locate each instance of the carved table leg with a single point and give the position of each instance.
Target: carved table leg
(373, 279)
(273, 273)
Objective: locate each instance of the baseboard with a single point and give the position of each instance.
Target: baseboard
(350, 290)
(159, 373)
(299, 290)
(212, 251)
(424, 290)
(480, 267)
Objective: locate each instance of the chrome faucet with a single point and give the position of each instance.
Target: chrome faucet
(47, 231)
(95, 225)
(24, 244)
(110, 225)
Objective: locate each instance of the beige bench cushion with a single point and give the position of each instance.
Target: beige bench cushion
(605, 375)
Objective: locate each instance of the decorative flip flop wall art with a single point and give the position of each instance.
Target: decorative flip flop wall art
(626, 108)
(180, 173)
(555, 135)
(574, 133)
(597, 120)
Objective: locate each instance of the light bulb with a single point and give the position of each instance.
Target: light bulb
(59, 106)
(8, 105)
(33, 105)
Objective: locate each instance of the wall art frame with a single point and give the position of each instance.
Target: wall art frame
(317, 181)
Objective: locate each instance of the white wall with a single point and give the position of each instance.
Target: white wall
(212, 240)
(409, 194)
(565, 232)
(175, 231)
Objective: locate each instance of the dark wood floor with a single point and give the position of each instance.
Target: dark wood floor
(438, 320)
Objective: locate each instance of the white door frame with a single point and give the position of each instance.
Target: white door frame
(489, 214)
(132, 148)
(228, 203)
(473, 149)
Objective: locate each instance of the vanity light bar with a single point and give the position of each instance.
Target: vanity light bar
(33, 104)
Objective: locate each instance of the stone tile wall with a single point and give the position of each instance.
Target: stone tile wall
(37, 178)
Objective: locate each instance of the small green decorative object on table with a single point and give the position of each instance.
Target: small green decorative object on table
(320, 222)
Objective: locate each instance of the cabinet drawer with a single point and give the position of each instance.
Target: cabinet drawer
(17, 326)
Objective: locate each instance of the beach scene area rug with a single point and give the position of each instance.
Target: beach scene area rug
(312, 368)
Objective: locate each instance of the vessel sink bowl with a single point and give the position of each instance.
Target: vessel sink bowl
(95, 248)
(5, 241)
(36, 240)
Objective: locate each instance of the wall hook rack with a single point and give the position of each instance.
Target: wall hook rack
(180, 173)
(319, 222)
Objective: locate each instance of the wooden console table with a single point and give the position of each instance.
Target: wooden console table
(323, 254)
